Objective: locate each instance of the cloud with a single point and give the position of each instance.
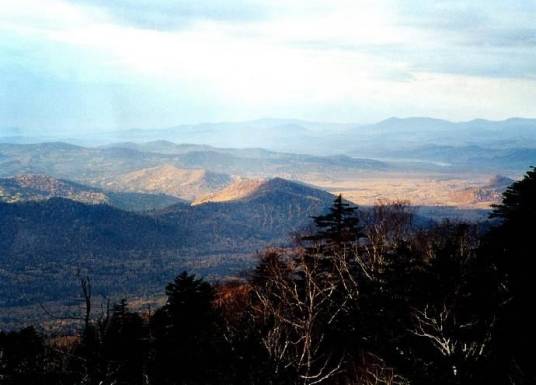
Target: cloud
(173, 15)
(329, 60)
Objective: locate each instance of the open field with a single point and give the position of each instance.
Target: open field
(418, 189)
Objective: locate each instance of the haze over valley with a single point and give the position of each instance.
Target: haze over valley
(426, 161)
(133, 212)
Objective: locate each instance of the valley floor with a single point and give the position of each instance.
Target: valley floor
(464, 191)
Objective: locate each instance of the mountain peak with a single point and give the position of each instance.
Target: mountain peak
(239, 189)
(249, 189)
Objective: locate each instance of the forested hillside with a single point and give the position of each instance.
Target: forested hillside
(351, 302)
(25, 188)
(43, 244)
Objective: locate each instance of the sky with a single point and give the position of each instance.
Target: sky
(80, 66)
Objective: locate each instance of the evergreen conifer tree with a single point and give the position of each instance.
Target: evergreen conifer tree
(510, 245)
(337, 229)
(186, 334)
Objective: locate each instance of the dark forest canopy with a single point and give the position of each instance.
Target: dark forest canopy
(357, 301)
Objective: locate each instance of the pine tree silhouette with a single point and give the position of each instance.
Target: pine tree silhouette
(338, 228)
(186, 334)
(124, 345)
(511, 246)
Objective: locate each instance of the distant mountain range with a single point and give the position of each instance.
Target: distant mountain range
(320, 138)
(509, 145)
(471, 157)
(97, 166)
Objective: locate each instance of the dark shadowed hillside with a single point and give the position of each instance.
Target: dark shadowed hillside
(64, 229)
(260, 211)
(43, 244)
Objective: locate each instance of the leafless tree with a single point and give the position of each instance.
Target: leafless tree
(388, 224)
(296, 300)
(444, 331)
(369, 369)
(85, 286)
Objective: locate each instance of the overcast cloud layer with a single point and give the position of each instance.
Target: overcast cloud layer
(90, 65)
